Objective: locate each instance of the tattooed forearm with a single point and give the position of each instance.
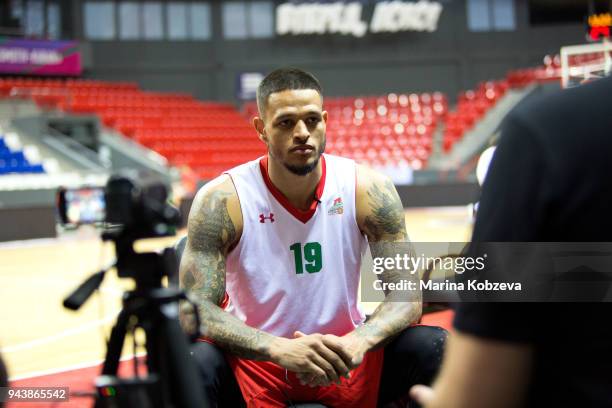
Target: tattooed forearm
(233, 335)
(211, 233)
(223, 328)
(385, 228)
(400, 308)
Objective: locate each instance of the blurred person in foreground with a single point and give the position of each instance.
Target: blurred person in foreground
(549, 181)
(273, 261)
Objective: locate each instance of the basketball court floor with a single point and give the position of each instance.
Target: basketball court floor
(40, 337)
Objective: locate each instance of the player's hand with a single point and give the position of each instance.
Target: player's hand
(356, 345)
(311, 355)
(351, 344)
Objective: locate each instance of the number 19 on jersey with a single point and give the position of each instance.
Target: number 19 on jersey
(310, 258)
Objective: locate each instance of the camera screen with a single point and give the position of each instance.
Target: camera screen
(84, 206)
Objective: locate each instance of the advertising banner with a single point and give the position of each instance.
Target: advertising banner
(346, 17)
(39, 57)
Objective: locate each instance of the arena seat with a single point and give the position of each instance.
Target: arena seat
(472, 105)
(550, 70)
(209, 137)
(15, 162)
(383, 130)
(161, 121)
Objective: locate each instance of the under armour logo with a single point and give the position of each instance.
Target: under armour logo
(263, 218)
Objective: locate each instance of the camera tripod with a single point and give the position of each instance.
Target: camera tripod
(172, 379)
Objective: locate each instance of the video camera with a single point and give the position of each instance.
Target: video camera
(129, 209)
(128, 205)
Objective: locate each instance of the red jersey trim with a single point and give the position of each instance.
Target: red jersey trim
(302, 215)
(225, 301)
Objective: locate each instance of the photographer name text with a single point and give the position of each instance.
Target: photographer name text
(469, 285)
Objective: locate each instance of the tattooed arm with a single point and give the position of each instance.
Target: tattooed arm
(380, 215)
(215, 225)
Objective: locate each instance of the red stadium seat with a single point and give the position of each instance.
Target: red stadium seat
(210, 135)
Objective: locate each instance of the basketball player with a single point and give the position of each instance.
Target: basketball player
(273, 258)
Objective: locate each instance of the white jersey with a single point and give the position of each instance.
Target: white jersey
(294, 269)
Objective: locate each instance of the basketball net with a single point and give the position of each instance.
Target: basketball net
(584, 63)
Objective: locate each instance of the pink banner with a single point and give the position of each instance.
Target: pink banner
(39, 57)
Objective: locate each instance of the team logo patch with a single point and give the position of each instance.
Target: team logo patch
(337, 207)
(263, 218)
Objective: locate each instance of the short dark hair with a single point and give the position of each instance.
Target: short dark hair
(283, 79)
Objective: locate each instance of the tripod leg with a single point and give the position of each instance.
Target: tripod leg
(115, 344)
(113, 351)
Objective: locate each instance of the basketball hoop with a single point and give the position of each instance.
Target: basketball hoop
(583, 63)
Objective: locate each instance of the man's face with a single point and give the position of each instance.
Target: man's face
(293, 128)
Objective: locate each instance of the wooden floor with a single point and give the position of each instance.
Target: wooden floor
(40, 336)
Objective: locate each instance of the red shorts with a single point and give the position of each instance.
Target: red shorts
(265, 384)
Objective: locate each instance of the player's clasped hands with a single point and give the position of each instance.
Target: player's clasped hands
(317, 359)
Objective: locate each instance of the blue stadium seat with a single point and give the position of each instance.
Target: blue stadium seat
(16, 162)
(37, 168)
